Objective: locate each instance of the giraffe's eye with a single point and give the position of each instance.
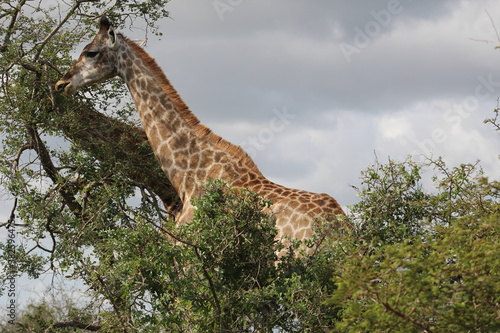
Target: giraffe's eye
(91, 54)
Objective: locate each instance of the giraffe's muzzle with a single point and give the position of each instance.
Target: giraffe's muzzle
(64, 86)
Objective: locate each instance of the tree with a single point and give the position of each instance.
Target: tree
(424, 261)
(71, 169)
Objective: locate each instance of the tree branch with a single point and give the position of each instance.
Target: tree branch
(493, 24)
(77, 324)
(12, 217)
(405, 317)
(112, 140)
(70, 13)
(10, 28)
(52, 172)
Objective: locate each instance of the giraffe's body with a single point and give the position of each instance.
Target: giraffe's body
(188, 152)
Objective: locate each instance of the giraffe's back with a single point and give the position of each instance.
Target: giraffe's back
(297, 211)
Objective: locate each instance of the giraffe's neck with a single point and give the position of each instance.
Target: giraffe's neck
(189, 153)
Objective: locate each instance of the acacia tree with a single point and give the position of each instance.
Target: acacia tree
(420, 260)
(72, 165)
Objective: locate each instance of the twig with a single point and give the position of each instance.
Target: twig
(406, 317)
(58, 27)
(496, 32)
(493, 24)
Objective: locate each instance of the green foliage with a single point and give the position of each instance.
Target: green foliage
(440, 278)
(392, 203)
(57, 313)
(244, 242)
(248, 287)
(232, 253)
(445, 283)
(68, 198)
(219, 273)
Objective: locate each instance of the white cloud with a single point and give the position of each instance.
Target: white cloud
(394, 126)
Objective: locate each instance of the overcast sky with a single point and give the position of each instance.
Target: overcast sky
(313, 90)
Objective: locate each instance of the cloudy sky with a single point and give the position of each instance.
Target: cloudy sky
(313, 90)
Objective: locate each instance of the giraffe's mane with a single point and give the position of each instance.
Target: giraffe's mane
(186, 113)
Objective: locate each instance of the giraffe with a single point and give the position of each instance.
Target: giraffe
(190, 153)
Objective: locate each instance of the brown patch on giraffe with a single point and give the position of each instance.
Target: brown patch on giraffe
(214, 171)
(147, 118)
(243, 179)
(279, 191)
(299, 234)
(180, 159)
(153, 101)
(288, 230)
(205, 163)
(135, 73)
(219, 157)
(194, 147)
(154, 141)
(294, 204)
(316, 211)
(178, 142)
(309, 207)
(176, 123)
(165, 162)
(252, 175)
(189, 182)
(202, 175)
(194, 161)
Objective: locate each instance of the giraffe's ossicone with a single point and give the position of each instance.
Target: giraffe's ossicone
(188, 152)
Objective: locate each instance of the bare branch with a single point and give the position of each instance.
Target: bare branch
(493, 24)
(496, 32)
(12, 217)
(52, 172)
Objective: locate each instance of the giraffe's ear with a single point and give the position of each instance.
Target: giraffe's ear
(105, 23)
(112, 38)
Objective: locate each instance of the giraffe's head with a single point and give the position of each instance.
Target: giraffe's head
(96, 63)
